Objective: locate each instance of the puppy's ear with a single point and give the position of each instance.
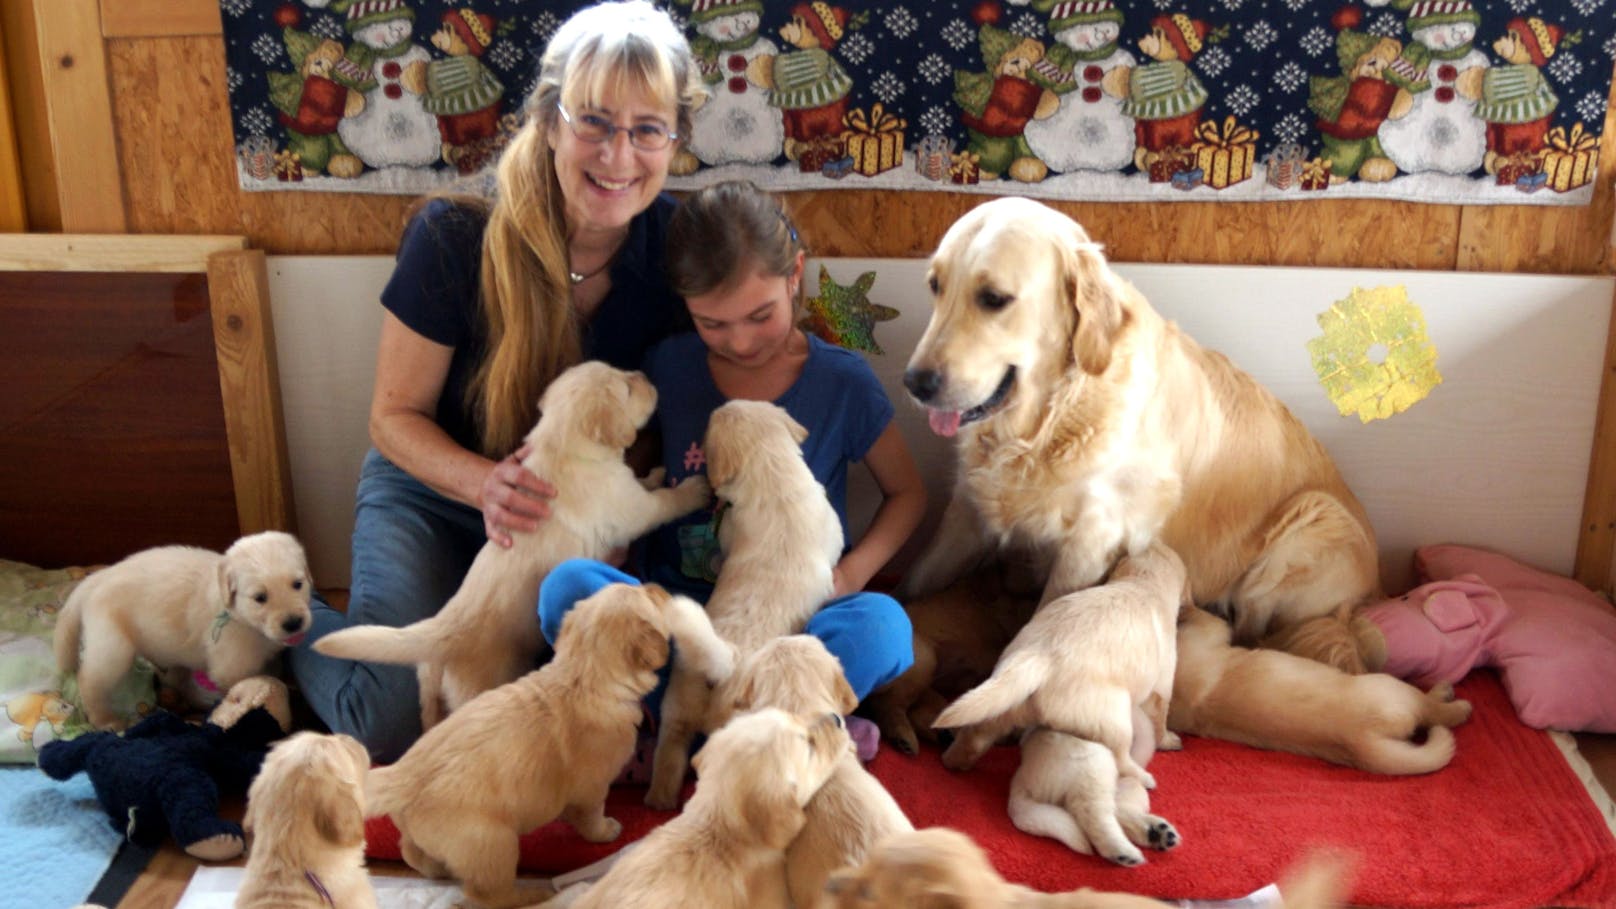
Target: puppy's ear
(338, 815)
(648, 647)
(720, 466)
(659, 596)
(606, 421)
(1096, 296)
(225, 584)
(846, 700)
(799, 432)
(769, 808)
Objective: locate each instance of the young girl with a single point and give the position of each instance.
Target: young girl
(735, 258)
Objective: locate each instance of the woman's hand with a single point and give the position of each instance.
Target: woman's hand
(513, 499)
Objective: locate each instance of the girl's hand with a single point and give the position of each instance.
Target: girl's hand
(841, 585)
(513, 499)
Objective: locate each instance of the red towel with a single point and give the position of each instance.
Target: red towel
(1505, 826)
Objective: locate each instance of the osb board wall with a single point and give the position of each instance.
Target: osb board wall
(175, 151)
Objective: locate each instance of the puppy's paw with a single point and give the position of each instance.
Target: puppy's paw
(654, 479)
(1128, 858)
(1170, 742)
(661, 801)
(605, 831)
(694, 492)
(1159, 834)
(1442, 692)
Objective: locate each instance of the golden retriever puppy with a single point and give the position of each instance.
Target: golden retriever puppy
(1082, 665)
(547, 745)
(938, 868)
(1088, 426)
(184, 608)
(780, 538)
(306, 816)
(852, 811)
(1270, 699)
(726, 849)
(1067, 789)
(486, 635)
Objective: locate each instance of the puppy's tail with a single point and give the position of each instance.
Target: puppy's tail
(1400, 757)
(407, 646)
(381, 792)
(700, 647)
(68, 626)
(1014, 680)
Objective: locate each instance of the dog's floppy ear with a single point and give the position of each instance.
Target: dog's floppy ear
(225, 584)
(606, 421)
(721, 467)
(845, 698)
(799, 432)
(769, 808)
(1095, 295)
(648, 647)
(338, 814)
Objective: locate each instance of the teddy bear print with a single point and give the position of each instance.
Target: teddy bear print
(36, 708)
(996, 106)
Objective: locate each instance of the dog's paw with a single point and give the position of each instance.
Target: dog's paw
(604, 832)
(1443, 692)
(655, 478)
(1129, 858)
(694, 492)
(1159, 834)
(661, 801)
(1170, 742)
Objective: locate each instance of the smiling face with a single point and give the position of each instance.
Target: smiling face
(1090, 36)
(1447, 36)
(605, 184)
(750, 323)
(729, 28)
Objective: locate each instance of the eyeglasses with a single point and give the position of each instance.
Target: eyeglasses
(595, 128)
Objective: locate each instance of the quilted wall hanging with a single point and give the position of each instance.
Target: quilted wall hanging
(1443, 101)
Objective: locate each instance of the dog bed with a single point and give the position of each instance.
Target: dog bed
(1507, 825)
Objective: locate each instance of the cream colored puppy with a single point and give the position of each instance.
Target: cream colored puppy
(852, 811)
(726, 849)
(306, 816)
(486, 635)
(944, 868)
(1269, 699)
(1082, 665)
(1088, 426)
(1067, 789)
(182, 607)
(780, 538)
(547, 745)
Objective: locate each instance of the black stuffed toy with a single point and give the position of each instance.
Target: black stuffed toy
(164, 775)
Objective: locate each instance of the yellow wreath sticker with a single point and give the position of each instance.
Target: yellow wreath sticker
(1374, 358)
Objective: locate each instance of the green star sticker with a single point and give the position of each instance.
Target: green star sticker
(844, 316)
(1374, 358)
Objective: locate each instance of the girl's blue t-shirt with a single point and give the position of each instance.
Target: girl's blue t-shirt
(837, 398)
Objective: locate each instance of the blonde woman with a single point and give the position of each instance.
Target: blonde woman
(490, 299)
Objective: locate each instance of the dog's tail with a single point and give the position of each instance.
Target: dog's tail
(381, 792)
(1014, 680)
(69, 623)
(1401, 757)
(407, 646)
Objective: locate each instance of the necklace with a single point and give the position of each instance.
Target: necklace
(581, 277)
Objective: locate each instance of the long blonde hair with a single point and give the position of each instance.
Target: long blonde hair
(526, 296)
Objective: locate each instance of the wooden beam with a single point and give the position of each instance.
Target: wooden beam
(1596, 540)
(244, 339)
(159, 18)
(102, 252)
(13, 210)
(78, 102)
(28, 108)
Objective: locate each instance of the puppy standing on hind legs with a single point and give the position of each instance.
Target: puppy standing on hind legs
(182, 607)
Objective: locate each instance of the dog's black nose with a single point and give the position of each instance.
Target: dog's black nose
(292, 624)
(922, 383)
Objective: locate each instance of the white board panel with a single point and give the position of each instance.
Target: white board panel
(1496, 456)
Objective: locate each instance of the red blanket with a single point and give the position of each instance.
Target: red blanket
(1505, 826)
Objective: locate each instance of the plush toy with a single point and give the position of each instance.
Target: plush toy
(1552, 640)
(164, 775)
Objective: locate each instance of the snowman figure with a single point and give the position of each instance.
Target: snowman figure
(1440, 131)
(389, 70)
(1088, 131)
(737, 123)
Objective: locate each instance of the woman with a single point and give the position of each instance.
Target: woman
(490, 299)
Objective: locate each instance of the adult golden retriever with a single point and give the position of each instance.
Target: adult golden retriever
(547, 745)
(726, 850)
(1088, 425)
(1274, 700)
(486, 635)
(306, 816)
(780, 537)
(184, 608)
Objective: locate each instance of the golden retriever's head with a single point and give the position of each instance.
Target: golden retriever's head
(620, 631)
(759, 770)
(594, 403)
(794, 673)
(935, 868)
(751, 444)
(1020, 293)
(309, 796)
(1158, 567)
(264, 582)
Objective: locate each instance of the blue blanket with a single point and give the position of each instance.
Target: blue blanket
(57, 839)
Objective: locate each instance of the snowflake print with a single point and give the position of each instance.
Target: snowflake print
(328, 27)
(958, 34)
(1592, 107)
(1261, 34)
(1587, 7)
(1290, 76)
(232, 78)
(1290, 129)
(856, 48)
(1028, 25)
(1165, 4)
(901, 23)
(1232, 4)
(1316, 41)
(888, 87)
(935, 121)
(506, 55)
(1243, 100)
(544, 25)
(1565, 67)
(1610, 46)
(1213, 61)
(1386, 25)
(256, 122)
(236, 8)
(1296, 6)
(934, 68)
(694, 458)
(1518, 6)
(268, 48)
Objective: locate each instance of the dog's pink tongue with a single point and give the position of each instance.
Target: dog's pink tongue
(944, 422)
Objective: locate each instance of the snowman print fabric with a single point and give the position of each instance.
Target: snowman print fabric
(1444, 101)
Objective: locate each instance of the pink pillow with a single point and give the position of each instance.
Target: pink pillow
(1552, 640)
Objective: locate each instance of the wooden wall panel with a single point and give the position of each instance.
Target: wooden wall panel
(82, 140)
(32, 120)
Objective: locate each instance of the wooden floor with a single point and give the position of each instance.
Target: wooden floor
(165, 879)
